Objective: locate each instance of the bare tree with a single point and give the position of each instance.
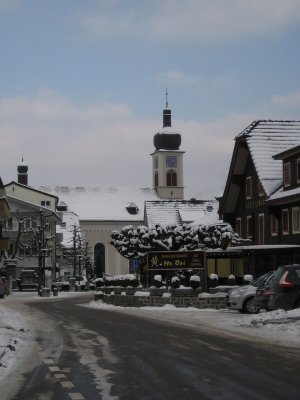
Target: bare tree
(78, 254)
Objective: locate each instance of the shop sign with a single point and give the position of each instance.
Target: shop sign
(176, 260)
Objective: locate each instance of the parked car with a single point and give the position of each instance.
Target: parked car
(285, 288)
(82, 281)
(262, 296)
(241, 298)
(63, 282)
(28, 280)
(2, 288)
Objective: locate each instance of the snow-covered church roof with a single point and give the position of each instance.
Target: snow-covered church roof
(108, 204)
(177, 212)
(266, 138)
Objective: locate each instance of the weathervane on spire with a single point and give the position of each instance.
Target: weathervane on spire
(167, 104)
(166, 113)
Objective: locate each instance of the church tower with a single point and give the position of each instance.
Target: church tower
(23, 173)
(167, 160)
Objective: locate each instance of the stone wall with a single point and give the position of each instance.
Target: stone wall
(217, 301)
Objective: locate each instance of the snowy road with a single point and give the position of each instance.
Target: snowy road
(89, 353)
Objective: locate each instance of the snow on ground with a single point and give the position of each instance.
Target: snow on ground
(16, 331)
(276, 327)
(279, 327)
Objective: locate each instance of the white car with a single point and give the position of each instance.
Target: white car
(63, 282)
(241, 298)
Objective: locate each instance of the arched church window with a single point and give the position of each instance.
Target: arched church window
(156, 179)
(99, 259)
(171, 178)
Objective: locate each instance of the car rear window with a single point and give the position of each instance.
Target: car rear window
(278, 273)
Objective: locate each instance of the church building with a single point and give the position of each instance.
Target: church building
(99, 211)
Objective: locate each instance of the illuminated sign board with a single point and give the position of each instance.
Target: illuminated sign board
(176, 260)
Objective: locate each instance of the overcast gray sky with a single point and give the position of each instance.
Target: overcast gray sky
(82, 84)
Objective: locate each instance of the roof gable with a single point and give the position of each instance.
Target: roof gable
(30, 188)
(261, 140)
(266, 138)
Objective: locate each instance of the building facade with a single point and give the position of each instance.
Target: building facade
(261, 197)
(31, 211)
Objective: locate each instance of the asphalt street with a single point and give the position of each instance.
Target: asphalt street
(87, 353)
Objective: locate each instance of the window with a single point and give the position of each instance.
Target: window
(286, 174)
(8, 223)
(156, 162)
(27, 223)
(274, 225)
(171, 178)
(261, 191)
(261, 228)
(249, 227)
(285, 222)
(156, 179)
(298, 170)
(45, 203)
(248, 187)
(296, 219)
(238, 226)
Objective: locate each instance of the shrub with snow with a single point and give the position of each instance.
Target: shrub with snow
(109, 280)
(175, 282)
(194, 281)
(131, 280)
(231, 280)
(157, 281)
(213, 280)
(99, 282)
(248, 278)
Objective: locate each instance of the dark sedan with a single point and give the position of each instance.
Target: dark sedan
(285, 288)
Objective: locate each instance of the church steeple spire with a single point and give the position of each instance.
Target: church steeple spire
(167, 118)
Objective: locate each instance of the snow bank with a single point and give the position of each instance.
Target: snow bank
(278, 327)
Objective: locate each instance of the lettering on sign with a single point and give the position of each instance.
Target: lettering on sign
(175, 260)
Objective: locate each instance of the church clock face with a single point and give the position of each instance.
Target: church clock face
(171, 161)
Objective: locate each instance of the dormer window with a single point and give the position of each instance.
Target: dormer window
(62, 206)
(132, 209)
(287, 174)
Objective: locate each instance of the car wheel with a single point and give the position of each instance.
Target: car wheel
(249, 307)
(297, 305)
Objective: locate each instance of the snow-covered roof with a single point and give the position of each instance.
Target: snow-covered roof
(16, 202)
(209, 218)
(177, 212)
(281, 194)
(266, 138)
(109, 204)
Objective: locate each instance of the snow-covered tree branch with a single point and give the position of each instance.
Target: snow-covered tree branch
(133, 242)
